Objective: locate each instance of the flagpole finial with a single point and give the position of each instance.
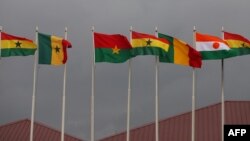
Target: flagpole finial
(36, 28)
(156, 29)
(194, 29)
(66, 29)
(222, 28)
(131, 28)
(92, 28)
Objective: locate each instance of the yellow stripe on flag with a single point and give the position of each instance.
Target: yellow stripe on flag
(57, 51)
(237, 44)
(6, 44)
(154, 43)
(181, 53)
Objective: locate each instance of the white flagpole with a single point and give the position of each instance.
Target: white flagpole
(129, 93)
(92, 110)
(193, 92)
(222, 94)
(34, 89)
(1, 28)
(156, 94)
(64, 91)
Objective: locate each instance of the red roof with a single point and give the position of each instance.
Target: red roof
(20, 131)
(178, 128)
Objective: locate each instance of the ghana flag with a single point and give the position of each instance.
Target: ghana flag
(52, 49)
(114, 48)
(238, 44)
(145, 44)
(16, 46)
(180, 53)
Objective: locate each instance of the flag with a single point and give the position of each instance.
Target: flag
(145, 44)
(238, 44)
(180, 53)
(211, 47)
(114, 48)
(52, 49)
(16, 46)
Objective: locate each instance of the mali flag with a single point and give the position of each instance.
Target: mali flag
(238, 44)
(113, 48)
(180, 53)
(52, 49)
(16, 46)
(145, 44)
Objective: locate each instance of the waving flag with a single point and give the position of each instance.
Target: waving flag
(211, 47)
(16, 46)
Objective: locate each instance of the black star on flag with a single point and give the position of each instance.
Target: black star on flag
(57, 49)
(148, 42)
(18, 44)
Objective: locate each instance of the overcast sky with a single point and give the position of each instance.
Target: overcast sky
(173, 17)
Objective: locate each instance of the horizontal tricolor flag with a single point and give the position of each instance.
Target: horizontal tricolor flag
(52, 49)
(16, 46)
(180, 53)
(114, 48)
(211, 47)
(145, 44)
(238, 44)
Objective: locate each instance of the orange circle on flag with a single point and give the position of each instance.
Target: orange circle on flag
(216, 45)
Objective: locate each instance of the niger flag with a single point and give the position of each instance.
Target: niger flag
(211, 47)
(145, 44)
(238, 44)
(16, 46)
(114, 48)
(52, 49)
(180, 53)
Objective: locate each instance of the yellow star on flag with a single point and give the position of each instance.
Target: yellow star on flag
(116, 50)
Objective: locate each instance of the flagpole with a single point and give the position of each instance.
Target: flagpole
(92, 110)
(222, 93)
(156, 94)
(64, 91)
(34, 89)
(1, 28)
(193, 92)
(129, 92)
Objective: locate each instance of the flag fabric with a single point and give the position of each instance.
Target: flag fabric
(211, 47)
(114, 48)
(16, 46)
(238, 44)
(145, 44)
(52, 49)
(180, 53)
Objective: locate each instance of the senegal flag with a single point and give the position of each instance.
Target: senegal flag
(180, 53)
(238, 44)
(52, 49)
(145, 44)
(114, 48)
(16, 46)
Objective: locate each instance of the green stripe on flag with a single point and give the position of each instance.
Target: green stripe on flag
(17, 52)
(107, 55)
(45, 49)
(148, 51)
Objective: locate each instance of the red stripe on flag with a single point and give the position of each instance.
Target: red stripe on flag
(110, 41)
(232, 36)
(137, 35)
(6, 36)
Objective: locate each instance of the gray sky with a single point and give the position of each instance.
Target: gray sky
(173, 17)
